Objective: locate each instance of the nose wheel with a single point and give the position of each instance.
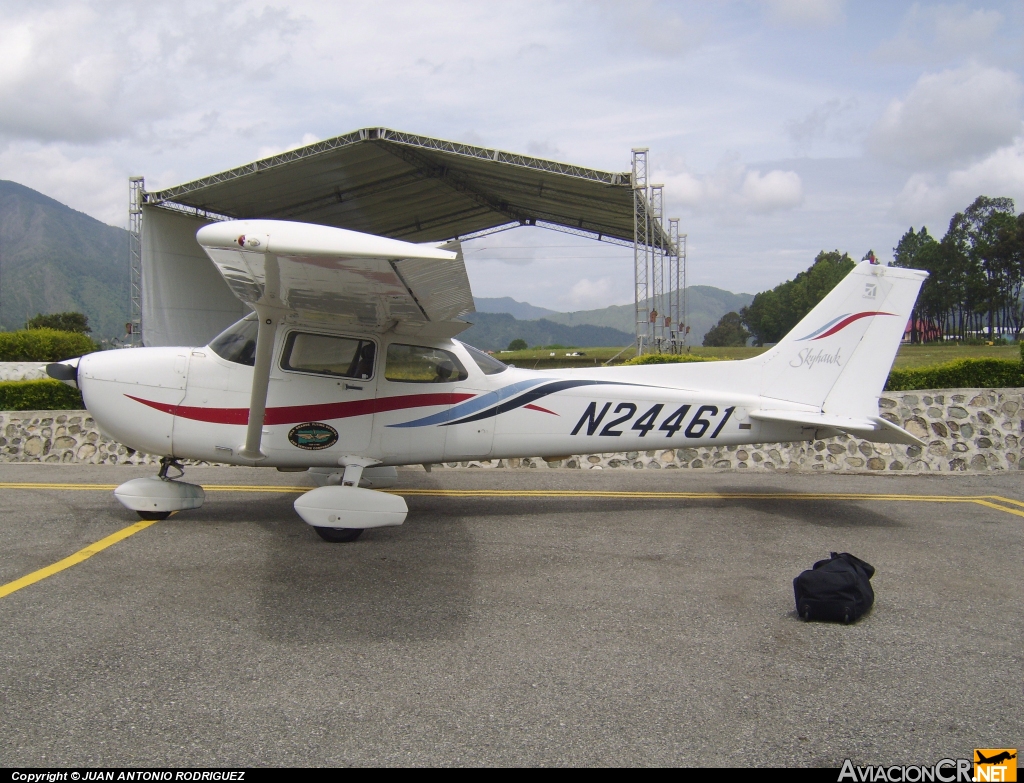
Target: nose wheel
(339, 535)
(159, 496)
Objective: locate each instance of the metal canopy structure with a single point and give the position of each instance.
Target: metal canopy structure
(420, 189)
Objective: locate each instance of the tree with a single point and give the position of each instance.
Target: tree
(62, 322)
(976, 272)
(919, 250)
(518, 345)
(728, 332)
(774, 313)
(976, 231)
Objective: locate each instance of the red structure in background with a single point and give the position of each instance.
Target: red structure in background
(921, 331)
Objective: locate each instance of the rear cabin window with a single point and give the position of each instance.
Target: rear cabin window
(237, 343)
(342, 357)
(419, 364)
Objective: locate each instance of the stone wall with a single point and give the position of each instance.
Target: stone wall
(60, 436)
(965, 429)
(22, 371)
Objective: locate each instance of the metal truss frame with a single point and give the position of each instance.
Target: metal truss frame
(656, 310)
(658, 250)
(136, 188)
(641, 250)
(409, 140)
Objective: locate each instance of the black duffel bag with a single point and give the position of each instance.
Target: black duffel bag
(837, 589)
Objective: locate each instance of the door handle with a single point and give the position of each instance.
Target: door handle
(351, 386)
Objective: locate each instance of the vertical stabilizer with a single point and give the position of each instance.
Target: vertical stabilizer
(838, 357)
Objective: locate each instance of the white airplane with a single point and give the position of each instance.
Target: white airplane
(347, 367)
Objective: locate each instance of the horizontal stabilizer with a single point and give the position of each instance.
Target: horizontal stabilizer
(874, 428)
(892, 433)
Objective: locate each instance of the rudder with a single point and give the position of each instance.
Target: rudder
(851, 336)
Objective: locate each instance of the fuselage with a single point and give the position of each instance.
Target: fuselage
(405, 400)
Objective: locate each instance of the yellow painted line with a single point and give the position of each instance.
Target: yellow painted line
(99, 546)
(75, 559)
(1005, 500)
(569, 493)
(1000, 508)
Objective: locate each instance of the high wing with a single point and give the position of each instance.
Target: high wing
(344, 277)
(334, 276)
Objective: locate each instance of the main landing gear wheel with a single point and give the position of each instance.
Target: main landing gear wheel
(339, 535)
(153, 516)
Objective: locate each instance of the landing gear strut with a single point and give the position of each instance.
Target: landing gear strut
(166, 463)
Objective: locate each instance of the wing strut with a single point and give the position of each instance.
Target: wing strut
(271, 315)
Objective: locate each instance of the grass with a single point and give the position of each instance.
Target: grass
(909, 356)
(937, 353)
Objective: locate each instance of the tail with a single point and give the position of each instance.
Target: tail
(838, 357)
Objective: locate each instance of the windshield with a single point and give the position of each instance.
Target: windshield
(488, 364)
(237, 343)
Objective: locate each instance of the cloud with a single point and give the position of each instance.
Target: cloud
(543, 149)
(84, 73)
(829, 121)
(55, 83)
(734, 189)
(806, 13)
(307, 139)
(949, 117)
(933, 199)
(774, 191)
(82, 183)
(937, 33)
(587, 294)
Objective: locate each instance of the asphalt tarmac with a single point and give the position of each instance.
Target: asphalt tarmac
(511, 630)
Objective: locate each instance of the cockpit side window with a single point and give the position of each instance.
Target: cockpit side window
(237, 343)
(420, 364)
(344, 357)
(488, 364)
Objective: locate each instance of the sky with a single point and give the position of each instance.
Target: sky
(778, 127)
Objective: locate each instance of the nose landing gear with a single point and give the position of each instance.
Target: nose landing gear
(157, 497)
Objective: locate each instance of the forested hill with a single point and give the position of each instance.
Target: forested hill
(55, 259)
(494, 331)
(506, 304)
(705, 305)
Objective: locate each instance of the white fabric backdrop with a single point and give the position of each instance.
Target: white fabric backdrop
(185, 301)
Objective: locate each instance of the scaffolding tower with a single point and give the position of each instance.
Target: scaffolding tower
(659, 299)
(641, 251)
(133, 330)
(673, 310)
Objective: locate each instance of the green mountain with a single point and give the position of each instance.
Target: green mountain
(494, 331)
(705, 306)
(524, 311)
(54, 259)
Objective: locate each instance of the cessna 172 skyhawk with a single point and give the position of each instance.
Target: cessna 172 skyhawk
(347, 366)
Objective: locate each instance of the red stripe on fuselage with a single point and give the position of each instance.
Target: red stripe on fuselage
(538, 408)
(295, 414)
(847, 321)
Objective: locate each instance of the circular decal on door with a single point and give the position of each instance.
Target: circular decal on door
(313, 435)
